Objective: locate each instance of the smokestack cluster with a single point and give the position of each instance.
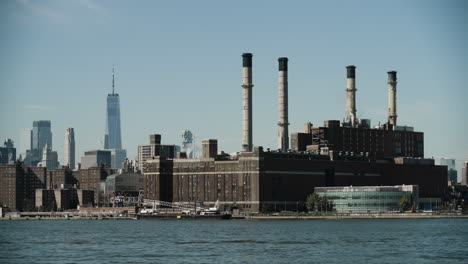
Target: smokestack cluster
(283, 123)
(247, 102)
(283, 138)
(351, 96)
(392, 83)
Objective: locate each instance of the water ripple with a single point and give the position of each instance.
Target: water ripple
(341, 241)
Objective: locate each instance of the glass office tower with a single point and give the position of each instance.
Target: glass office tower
(41, 135)
(113, 137)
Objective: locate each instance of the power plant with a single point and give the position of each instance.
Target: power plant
(356, 137)
(392, 82)
(351, 96)
(247, 102)
(283, 138)
(335, 154)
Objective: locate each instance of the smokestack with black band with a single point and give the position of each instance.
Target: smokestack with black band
(392, 83)
(247, 102)
(283, 139)
(351, 96)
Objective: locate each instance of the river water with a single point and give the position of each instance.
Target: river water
(235, 241)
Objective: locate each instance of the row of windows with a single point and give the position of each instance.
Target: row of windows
(364, 197)
(189, 185)
(366, 205)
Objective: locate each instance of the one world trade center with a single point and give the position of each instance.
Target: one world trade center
(113, 137)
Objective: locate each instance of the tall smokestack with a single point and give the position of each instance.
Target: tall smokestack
(283, 139)
(392, 83)
(247, 102)
(351, 96)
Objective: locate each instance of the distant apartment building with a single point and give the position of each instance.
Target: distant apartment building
(155, 149)
(90, 179)
(7, 153)
(60, 178)
(451, 171)
(18, 184)
(69, 150)
(96, 158)
(464, 176)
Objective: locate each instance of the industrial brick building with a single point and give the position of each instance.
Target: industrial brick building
(351, 153)
(260, 180)
(376, 142)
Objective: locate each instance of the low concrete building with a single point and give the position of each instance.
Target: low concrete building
(45, 200)
(63, 199)
(96, 158)
(126, 184)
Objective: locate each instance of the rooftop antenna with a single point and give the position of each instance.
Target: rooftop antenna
(113, 79)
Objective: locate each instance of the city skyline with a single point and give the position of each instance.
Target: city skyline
(185, 75)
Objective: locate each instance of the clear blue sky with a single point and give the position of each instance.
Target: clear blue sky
(178, 67)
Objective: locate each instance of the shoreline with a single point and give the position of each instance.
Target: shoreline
(291, 217)
(338, 217)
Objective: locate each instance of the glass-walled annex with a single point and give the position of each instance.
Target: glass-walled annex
(369, 199)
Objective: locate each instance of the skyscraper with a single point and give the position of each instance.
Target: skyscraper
(464, 177)
(69, 159)
(112, 137)
(49, 159)
(451, 171)
(7, 153)
(41, 136)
